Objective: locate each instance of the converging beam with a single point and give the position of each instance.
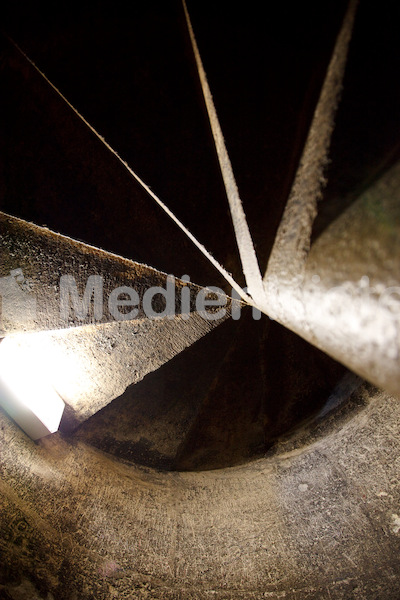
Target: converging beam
(247, 253)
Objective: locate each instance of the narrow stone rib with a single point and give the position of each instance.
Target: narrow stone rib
(292, 242)
(235, 286)
(247, 253)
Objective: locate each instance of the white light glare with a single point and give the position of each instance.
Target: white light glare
(25, 393)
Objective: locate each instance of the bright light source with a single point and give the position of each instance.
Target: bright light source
(25, 393)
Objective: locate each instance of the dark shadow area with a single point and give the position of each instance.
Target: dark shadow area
(223, 401)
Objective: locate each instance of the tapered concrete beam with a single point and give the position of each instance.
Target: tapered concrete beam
(346, 299)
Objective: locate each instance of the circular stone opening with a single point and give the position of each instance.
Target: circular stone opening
(226, 400)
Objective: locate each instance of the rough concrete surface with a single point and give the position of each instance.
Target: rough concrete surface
(42, 257)
(317, 517)
(89, 366)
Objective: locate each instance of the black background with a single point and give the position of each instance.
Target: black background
(129, 69)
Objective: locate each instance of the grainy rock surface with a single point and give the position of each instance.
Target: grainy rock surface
(318, 517)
